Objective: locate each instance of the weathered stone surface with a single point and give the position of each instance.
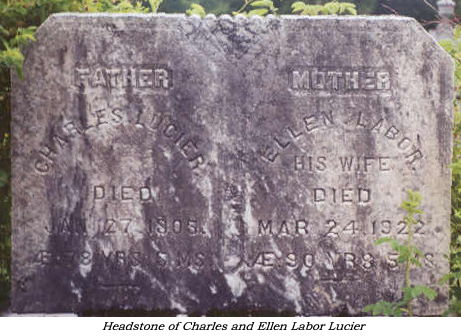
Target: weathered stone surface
(176, 163)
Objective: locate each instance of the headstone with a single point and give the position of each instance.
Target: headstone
(227, 164)
(445, 27)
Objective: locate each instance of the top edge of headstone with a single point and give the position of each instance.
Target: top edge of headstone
(239, 16)
(408, 22)
(239, 19)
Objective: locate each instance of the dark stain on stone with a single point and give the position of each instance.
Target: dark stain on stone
(444, 123)
(60, 271)
(62, 56)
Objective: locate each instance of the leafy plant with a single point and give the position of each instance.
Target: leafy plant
(196, 9)
(264, 7)
(12, 57)
(258, 7)
(121, 6)
(330, 8)
(248, 8)
(409, 255)
(154, 5)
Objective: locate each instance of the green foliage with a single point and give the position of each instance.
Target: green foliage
(196, 9)
(453, 47)
(120, 6)
(399, 308)
(406, 253)
(264, 7)
(385, 308)
(11, 56)
(19, 20)
(230, 6)
(23, 36)
(409, 255)
(256, 7)
(154, 5)
(330, 8)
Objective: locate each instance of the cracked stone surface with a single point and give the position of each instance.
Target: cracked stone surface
(172, 163)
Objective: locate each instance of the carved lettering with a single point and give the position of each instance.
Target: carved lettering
(151, 77)
(339, 80)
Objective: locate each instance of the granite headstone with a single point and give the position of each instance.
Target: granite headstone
(165, 162)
